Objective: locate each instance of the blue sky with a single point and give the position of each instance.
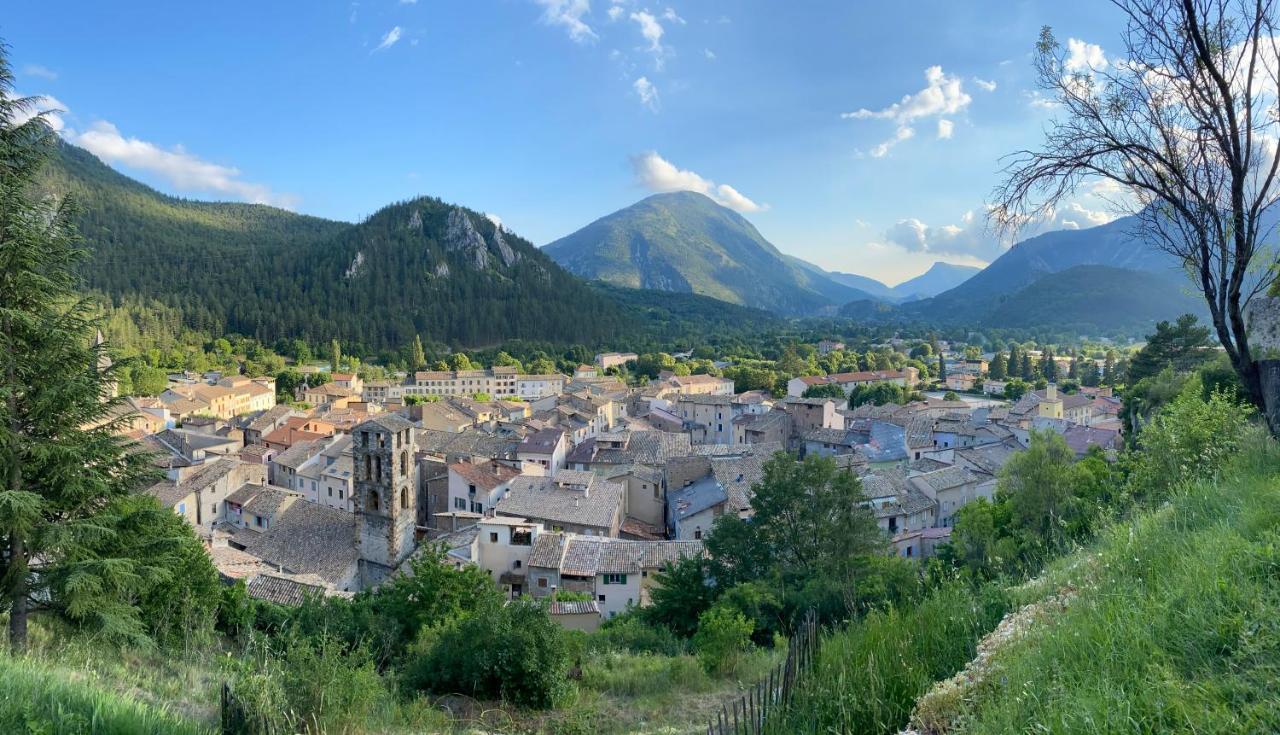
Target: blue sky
(551, 113)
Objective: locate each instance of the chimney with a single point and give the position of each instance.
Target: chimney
(1051, 392)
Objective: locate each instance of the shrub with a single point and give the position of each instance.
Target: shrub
(514, 651)
(1190, 439)
(630, 633)
(723, 635)
(629, 675)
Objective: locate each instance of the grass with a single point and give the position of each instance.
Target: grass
(1175, 626)
(867, 677)
(49, 700)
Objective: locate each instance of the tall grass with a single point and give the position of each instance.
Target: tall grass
(867, 677)
(35, 698)
(1176, 628)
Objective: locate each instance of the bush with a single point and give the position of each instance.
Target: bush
(514, 651)
(724, 634)
(1190, 439)
(630, 633)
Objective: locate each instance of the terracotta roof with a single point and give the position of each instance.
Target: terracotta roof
(586, 607)
(486, 476)
(282, 590)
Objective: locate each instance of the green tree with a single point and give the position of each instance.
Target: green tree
(1040, 486)
(825, 390)
(1182, 346)
(1048, 365)
(809, 533)
(997, 369)
(418, 356)
(1026, 371)
(335, 356)
(149, 381)
(680, 594)
(58, 474)
(1015, 389)
(942, 368)
(301, 351)
(460, 361)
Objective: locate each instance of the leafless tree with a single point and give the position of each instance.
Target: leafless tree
(1186, 123)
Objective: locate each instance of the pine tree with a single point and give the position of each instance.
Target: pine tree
(1014, 365)
(1048, 366)
(59, 475)
(1026, 371)
(419, 358)
(942, 368)
(997, 369)
(335, 355)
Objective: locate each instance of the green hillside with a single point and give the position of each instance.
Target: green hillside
(1093, 297)
(685, 242)
(420, 267)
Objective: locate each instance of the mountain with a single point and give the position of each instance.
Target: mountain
(1089, 298)
(869, 286)
(420, 267)
(940, 277)
(685, 242)
(1115, 244)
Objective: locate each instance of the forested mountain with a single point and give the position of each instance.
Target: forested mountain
(685, 242)
(939, 278)
(1116, 245)
(1093, 297)
(419, 267)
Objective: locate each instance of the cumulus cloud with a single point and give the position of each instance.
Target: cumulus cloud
(985, 85)
(181, 169)
(945, 128)
(495, 219)
(615, 12)
(657, 174)
(647, 93)
(943, 94)
(1084, 57)
(1041, 101)
(36, 71)
(568, 14)
(971, 236)
(670, 15)
(389, 39)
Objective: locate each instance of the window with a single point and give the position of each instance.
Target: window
(459, 504)
(477, 507)
(493, 537)
(697, 533)
(373, 500)
(542, 582)
(517, 564)
(182, 509)
(615, 579)
(601, 597)
(339, 493)
(331, 492)
(257, 521)
(404, 463)
(404, 497)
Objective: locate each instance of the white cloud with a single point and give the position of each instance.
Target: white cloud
(945, 129)
(656, 173)
(985, 85)
(389, 40)
(1041, 101)
(652, 31)
(408, 2)
(37, 71)
(568, 13)
(711, 55)
(182, 170)
(495, 219)
(615, 12)
(52, 108)
(671, 15)
(971, 236)
(942, 95)
(647, 93)
(1084, 57)
(899, 135)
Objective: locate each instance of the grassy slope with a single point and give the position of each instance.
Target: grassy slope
(1175, 626)
(42, 698)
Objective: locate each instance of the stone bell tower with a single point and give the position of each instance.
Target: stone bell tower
(385, 495)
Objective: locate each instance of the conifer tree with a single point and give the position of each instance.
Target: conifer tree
(942, 368)
(419, 358)
(996, 370)
(335, 356)
(62, 463)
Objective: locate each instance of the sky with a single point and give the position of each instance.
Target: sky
(862, 136)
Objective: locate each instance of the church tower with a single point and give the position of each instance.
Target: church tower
(385, 495)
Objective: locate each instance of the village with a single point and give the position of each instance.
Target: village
(578, 488)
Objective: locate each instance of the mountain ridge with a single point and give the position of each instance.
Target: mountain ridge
(685, 242)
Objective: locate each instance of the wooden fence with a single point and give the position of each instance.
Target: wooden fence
(757, 711)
